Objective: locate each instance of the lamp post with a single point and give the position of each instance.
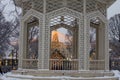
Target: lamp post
(12, 58)
(16, 61)
(16, 55)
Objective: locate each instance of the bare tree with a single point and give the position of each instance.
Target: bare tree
(114, 25)
(114, 31)
(8, 30)
(33, 42)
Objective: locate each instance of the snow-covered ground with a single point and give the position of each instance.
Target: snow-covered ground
(3, 77)
(117, 73)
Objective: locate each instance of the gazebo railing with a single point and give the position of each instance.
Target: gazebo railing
(97, 64)
(63, 64)
(30, 63)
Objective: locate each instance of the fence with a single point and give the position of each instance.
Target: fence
(97, 65)
(115, 64)
(63, 64)
(8, 64)
(30, 63)
(59, 64)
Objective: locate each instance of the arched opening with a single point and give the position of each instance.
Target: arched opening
(30, 60)
(97, 52)
(63, 46)
(93, 40)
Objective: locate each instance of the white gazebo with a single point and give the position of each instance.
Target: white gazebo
(55, 38)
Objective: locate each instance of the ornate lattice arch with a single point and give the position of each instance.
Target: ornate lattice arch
(39, 16)
(98, 14)
(63, 12)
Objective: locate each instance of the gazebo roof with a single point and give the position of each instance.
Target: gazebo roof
(76, 5)
(108, 2)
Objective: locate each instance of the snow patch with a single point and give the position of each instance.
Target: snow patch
(116, 73)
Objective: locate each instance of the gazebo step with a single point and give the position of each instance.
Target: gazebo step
(64, 73)
(61, 78)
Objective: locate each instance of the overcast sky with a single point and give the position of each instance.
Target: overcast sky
(114, 9)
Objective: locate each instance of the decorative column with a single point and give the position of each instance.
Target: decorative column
(106, 47)
(46, 44)
(46, 38)
(41, 45)
(85, 37)
(81, 44)
(23, 43)
(100, 42)
(20, 57)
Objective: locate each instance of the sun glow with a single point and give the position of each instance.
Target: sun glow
(57, 36)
